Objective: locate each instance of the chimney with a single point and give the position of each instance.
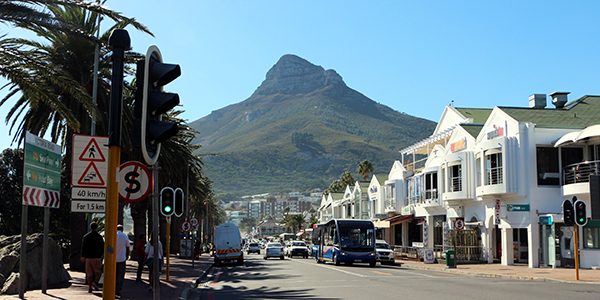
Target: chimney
(559, 99)
(537, 101)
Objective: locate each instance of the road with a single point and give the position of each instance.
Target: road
(300, 278)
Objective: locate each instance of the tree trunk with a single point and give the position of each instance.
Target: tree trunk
(138, 214)
(78, 230)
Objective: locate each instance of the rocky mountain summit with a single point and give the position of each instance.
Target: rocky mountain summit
(293, 75)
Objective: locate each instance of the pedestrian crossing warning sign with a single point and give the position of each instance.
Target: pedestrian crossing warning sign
(91, 177)
(90, 161)
(92, 152)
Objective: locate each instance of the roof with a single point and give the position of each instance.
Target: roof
(580, 113)
(479, 115)
(381, 178)
(472, 129)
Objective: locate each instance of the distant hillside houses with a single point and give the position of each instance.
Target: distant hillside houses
(490, 184)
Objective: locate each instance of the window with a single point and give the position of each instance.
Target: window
(547, 166)
(591, 235)
(431, 186)
(456, 178)
(494, 168)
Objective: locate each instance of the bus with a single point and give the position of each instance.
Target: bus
(316, 239)
(347, 241)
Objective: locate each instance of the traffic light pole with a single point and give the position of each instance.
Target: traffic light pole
(119, 41)
(168, 244)
(155, 239)
(576, 233)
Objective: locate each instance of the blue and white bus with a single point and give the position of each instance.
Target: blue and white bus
(347, 241)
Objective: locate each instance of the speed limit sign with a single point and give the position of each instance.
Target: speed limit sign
(186, 226)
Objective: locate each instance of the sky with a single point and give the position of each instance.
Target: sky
(414, 56)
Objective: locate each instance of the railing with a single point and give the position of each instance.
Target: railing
(456, 184)
(390, 204)
(494, 176)
(580, 172)
(428, 197)
(463, 254)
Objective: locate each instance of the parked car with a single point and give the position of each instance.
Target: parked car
(274, 250)
(253, 248)
(297, 248)
(385, 254)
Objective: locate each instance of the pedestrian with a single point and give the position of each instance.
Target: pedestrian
(92, 251)
(141, 256)
(122, 255)
(150, 259)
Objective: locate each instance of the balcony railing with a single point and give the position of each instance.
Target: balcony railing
(427, 197)
(494, 176)
(580, 172)
(456, 184)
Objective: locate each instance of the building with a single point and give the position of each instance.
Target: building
(480, 183)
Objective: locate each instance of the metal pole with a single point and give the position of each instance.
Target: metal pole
(95, 83)
(45, 247)
(22, 273)
(155, 239)
(168, 244)
(119, 42)
(576, 233)
(187, 211)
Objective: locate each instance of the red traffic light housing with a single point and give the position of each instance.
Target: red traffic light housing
(568, 213)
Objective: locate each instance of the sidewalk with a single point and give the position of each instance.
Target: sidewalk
(518, 271)
(181, 278)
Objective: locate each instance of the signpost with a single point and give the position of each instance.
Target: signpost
(90, 170)
(134, 179)
(41, 187)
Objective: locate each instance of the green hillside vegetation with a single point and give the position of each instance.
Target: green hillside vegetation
(258, 146)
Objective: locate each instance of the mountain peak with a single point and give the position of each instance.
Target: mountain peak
(295, 75)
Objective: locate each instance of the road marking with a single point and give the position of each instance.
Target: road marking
(390, 274)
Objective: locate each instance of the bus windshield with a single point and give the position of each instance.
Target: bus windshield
(353, 237)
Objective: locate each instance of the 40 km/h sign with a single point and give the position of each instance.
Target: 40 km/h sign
(134, 182)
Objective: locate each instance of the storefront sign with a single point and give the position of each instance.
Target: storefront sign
(498, 131)
(407, 210)
(517, 207)
(497, 212)
(458, 145)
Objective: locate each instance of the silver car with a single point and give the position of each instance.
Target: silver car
(274, 250)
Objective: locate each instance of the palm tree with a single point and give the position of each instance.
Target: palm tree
(347, 179)
(295, 221)
(44, 82)
(365, 169)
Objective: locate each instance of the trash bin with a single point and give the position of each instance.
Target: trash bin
(450, 259)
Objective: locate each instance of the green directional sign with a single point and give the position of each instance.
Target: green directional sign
(41, 172)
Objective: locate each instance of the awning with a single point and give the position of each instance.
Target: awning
(591, 131)
(576, 136)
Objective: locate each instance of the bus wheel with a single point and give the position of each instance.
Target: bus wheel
(372, 264)
(336, 260)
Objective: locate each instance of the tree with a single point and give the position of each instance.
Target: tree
(347, 179)
(295, 221)
(365, 169)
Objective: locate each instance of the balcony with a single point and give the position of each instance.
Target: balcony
(494, 176)
(576, 177)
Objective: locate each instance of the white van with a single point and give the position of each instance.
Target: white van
(228, 244)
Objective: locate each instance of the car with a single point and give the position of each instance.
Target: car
(253, 248)
(274, 250)
(297, 248)
(385, 254)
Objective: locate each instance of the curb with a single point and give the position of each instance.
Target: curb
(490, 275)
(187, 291)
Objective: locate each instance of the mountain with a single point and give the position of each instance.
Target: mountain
(301, 129)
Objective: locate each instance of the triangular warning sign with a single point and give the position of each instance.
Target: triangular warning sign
(91, 176)
(92, 152)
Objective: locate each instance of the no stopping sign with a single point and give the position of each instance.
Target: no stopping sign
(134, 182)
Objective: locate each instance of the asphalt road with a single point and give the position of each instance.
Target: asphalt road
(300, 278)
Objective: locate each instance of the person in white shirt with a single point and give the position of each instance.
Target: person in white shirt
(150, 255)
(122, 255)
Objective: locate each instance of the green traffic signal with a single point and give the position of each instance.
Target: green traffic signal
(167, 209)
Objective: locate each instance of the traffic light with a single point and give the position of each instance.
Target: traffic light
(580, 213)
(151, 102)
(179, 203)
(167, 199)
(568, 214)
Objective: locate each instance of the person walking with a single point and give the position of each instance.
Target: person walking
(92, 251)
(150, 260)
(141, 256)
(122, 255)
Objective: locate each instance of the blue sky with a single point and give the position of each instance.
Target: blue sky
(413, 56)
